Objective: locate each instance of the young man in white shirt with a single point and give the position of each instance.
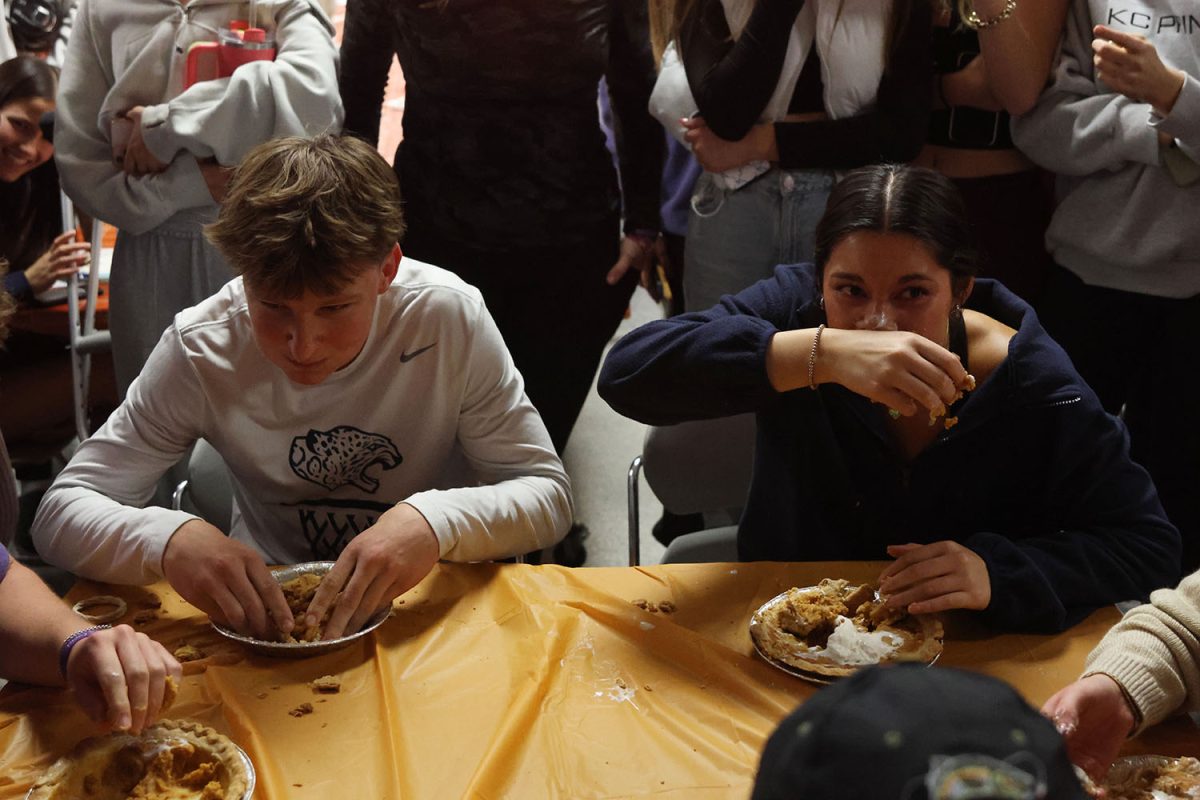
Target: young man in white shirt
(365, 404)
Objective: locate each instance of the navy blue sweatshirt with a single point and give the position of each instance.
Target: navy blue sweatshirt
(1035, 478)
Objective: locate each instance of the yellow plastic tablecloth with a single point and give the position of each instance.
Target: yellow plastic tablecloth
(496, 681)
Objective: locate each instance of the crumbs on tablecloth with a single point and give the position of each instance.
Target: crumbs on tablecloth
(326, 684)
(145, 617)
(301, 710)
(261, 695)
(666, 606)
(188, 652)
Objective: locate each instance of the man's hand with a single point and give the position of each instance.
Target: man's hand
(227, 580)
(119, 677)
(927, 578)
(642, 254)
(64, 257)
(1094, 717)
(1130, 65)
(216, 178)
(380, 564)
(717, 155)
(138, 159)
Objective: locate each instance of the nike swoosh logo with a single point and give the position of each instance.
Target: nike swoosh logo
(406, 357)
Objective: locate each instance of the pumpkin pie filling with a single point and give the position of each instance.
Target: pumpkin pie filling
(169, 761)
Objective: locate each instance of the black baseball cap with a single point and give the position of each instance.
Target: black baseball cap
(911, 732)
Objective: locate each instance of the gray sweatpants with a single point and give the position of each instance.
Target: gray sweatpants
(155, 275)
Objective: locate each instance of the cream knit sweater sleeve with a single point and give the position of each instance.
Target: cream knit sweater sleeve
(1154, 652)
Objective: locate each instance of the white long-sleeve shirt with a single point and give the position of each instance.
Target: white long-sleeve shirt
(314, 465)
(126, 53)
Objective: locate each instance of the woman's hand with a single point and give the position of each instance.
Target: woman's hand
(903, 371)
(119, 677)
(138, 159)
(1094, 717)
(717, 155)
(927, 578)
(1130, 65)
(64, 257)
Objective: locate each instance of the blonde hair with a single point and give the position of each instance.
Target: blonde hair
(666, 18)
(308, 215)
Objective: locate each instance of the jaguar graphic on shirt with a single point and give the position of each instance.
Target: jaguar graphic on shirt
(342, 456)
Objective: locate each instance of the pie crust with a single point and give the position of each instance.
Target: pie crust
(172, 760)
(1153, 778)
(794, 629)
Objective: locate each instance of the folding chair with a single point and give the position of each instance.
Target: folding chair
(208, 490)
(695, 467)
(84, 339)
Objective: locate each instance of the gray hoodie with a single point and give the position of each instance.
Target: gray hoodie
(1122, 221)
(126, 53)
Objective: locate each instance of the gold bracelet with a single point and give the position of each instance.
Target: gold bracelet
(973, 20)
(812, 356)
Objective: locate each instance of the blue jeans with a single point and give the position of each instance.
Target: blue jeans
(736, 238)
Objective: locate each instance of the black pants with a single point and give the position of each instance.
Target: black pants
(552, 306)
(1136, 351)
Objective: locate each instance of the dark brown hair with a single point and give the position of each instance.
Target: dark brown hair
(895, 198)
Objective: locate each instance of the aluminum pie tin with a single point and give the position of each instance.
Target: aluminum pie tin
(302, 649)
(1125, 767)
(247, 764)
(791, 669)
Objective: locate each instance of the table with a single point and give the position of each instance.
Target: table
(520, 681)
(52, 320)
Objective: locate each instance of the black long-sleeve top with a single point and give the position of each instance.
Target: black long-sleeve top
(502, 145)
(732, 81)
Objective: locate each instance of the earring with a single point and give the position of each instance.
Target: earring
(956, 312)
(821, 302)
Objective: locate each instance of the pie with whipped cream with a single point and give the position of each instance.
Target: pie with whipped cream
(836, 627)
(171, 760)
(1152, 778)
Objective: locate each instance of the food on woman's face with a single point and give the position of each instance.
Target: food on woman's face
(1153, 778)
(169, 761)
(835, 627)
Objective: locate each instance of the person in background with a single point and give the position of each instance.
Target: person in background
(1146, 668)
(785, 92)
(1010, 492)
(908, 732)
(35, 370)
(506, 178)
(992, 58)
(139, 149)
(1120, 125)
(119, 675)
(32, 238)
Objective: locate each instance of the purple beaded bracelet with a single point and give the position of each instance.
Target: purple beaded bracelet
(64, 652)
